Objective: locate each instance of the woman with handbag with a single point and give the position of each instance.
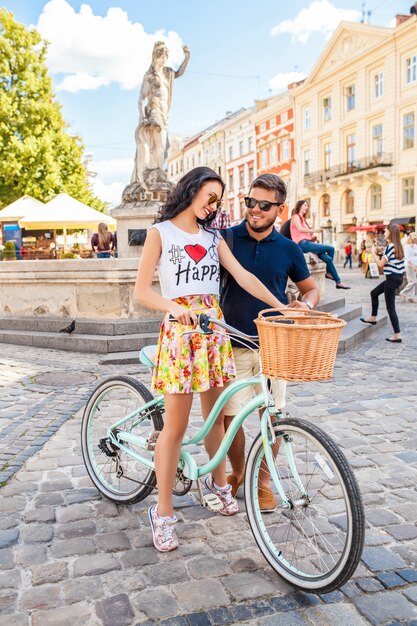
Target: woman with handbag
(302, 234)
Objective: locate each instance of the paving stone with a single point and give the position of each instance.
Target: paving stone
(112, 542)
(17, 619)
(261, 608)
(402, 532)
(49, 573)
(94, 565)
(284, 603)
(306, 599)
(241, 612)
(115, 610)
(201, 594)
(330, 615)
(43, 597)
(44, 514)
(12, 504)
(411, 594)
(74, 615)
(198, 619)
(175, 621)
(380, 608)
(76, 590)
(381, 517)
(30, 555)
(379, 559)
(290, 618)
(410, 575)
(8, 537)
(71, 530)
(37, 534)
(9, 579)
(391, 580)
(333, 596)
(74, 513)
(208, 567)
(9, 520)
(73, 547)
(137, 558)
(247, 585)
(7, 600)
(156, 603)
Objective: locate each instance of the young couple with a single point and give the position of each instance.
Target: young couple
(188, 253)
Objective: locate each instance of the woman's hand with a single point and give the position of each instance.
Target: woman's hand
(296, 304)
(183, 315)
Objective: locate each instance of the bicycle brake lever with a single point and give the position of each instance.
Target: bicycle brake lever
(203, 322)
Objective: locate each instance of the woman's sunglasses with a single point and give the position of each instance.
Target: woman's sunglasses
(215, 200)
(264, 205)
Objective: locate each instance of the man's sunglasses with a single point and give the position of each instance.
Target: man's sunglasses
(215, 200)
(264, 205)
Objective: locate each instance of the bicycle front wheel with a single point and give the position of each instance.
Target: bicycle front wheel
(115, 473)
(316, 544)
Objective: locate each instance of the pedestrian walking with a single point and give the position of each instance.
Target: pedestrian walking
(410, 254)
(186, 252)
(302, 234)
(393, 263)
(348, 254)
(273, 258)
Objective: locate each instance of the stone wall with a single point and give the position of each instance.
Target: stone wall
(79, 288)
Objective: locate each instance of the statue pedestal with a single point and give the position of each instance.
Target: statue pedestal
(134, 216)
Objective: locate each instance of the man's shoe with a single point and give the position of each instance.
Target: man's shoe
(232, 480)
(267, 502)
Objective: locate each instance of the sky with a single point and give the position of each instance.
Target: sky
(241, 51)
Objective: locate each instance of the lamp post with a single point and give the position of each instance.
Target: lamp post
(354, 220)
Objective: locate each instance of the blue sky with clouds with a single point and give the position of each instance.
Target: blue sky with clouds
(241, 50)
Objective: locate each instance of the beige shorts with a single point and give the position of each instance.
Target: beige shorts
(247, 364)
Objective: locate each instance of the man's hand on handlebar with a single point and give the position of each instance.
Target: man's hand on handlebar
(296, 304)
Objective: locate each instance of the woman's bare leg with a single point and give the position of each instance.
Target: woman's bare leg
(215, 436)
(168, 447)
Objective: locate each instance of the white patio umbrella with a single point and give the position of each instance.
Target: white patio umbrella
(67, 213)
(26, 206)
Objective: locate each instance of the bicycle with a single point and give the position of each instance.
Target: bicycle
(315, 537)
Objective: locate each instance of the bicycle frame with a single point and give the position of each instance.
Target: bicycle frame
(187, 463)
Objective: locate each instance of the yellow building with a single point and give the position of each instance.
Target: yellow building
(355, 118)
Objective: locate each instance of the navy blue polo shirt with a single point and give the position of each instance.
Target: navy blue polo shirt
(272, 260)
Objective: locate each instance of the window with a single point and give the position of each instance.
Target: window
(199, 157)
(285, 150)
(250, 144)
(327, 156)
(231, 182)
(272, 122)
(408, 131)
(377, 140)
(240, 148)
(307, 118)
(307, 162)
(187, 164)
(251, 172)
(193, 161)
(350, 202)
(241, 178)
(350, 97)
(219, 148)
(408, 190)
(325, 205)
(327, 109)
(264, 158)
(376, 197)
(411, 69)
(351, 149)
(263, 127)
(273, 154)
(284, 117)
(379, 84)
(230, 153)
(172, 169)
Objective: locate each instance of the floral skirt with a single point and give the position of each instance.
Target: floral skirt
(196, 362)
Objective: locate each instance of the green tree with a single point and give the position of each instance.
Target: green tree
(37, 155)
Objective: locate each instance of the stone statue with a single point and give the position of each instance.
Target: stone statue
(152, 132)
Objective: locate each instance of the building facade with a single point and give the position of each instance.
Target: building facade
(355, 118)
(240, 160)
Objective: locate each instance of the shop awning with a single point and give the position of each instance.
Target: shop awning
(367, 228)
(403, 220)
(67, 213)
(26, 206)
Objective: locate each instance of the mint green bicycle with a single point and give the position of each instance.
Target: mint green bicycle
(314, 539)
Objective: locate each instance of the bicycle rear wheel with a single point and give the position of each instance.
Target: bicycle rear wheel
(317, 544)
(117, 475)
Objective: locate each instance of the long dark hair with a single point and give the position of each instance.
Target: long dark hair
(183, 194)
(298, 206)
(394, 237)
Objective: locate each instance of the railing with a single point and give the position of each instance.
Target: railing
(367, 163)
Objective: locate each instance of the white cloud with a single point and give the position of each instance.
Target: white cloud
(108, 193)
(92, 51)
(111, 178)
(282, 80)
(320, 17)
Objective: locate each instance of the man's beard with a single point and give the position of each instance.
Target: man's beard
(261, 228)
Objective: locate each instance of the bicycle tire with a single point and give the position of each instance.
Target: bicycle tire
(296, 557)
(112, 400)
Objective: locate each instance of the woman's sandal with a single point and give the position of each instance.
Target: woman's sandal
(367, 321)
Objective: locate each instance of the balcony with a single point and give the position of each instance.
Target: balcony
(344, 169)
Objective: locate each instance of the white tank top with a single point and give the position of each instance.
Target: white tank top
(189, 264)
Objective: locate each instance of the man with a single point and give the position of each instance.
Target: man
(273, 259)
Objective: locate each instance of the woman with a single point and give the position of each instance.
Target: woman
(186, 252)
(302, 234)
(393, 263)
(102, 243)
(410, 291)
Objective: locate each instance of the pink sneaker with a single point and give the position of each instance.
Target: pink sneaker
(230, 506)
(163, 535)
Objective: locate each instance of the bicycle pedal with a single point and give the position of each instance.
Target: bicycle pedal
(151, 440)
(213, 502)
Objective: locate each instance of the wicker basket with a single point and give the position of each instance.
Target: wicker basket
(298, 345)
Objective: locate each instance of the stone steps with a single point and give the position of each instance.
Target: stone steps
(121, 340)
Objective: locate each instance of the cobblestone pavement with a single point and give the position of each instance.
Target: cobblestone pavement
(68, 557)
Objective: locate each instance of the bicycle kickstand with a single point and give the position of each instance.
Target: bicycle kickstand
(209, 500)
